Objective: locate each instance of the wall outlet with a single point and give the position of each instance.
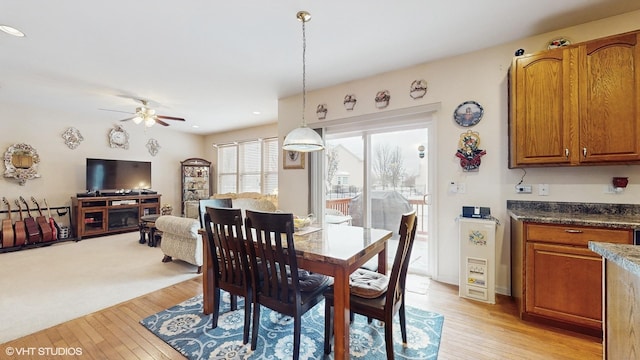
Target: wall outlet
(523, 189)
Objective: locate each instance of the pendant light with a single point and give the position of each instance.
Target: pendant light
(303, 139)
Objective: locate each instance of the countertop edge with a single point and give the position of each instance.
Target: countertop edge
(616, 222)
(626, 256)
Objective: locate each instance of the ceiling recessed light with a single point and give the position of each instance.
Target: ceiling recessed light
(257, 113)
(11, 30)
(195, 126)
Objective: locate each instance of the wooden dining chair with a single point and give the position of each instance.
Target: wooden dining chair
(231, 266)
(284, 288)
(202, 206)
(369, 296)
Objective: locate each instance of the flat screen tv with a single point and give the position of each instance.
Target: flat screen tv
(104, 174)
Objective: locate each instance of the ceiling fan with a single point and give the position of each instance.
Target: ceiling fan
(144, 114)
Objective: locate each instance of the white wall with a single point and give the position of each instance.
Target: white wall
(63, 169)
(479, 76)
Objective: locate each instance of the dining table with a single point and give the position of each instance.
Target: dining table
(333, 250)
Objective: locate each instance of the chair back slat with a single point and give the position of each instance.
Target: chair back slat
(398, 276)
(228, 246)
(272, 236)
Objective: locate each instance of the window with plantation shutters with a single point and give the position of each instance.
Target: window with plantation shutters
(250, 166)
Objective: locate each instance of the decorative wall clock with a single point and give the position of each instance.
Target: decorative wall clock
(119, 137)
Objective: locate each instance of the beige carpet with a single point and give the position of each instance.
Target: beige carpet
(46, 286)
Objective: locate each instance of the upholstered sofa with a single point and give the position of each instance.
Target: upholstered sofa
(243, 200)
(180, 239)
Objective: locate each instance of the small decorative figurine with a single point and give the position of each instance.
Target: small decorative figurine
(321, 111)
(350, 101)
(418, 89)
(382, 99)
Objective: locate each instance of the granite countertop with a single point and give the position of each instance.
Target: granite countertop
(619, 216)
(626, 256)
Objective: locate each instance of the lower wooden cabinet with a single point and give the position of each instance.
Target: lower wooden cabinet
(556, 279)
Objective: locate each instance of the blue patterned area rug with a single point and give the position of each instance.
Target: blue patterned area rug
(187, 330)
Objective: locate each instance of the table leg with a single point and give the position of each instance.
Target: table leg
(207, 279)
(382, 260)
(341, 307)
(142, 239)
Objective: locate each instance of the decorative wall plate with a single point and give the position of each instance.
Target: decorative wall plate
(72, 137)
(468, 113)
(350, 101)
(321, 111)
(118, 137)
(153, 146)
(418, 89)
(559, 42)
(469, 152)
(382, 99)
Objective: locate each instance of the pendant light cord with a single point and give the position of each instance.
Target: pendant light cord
(304, 72)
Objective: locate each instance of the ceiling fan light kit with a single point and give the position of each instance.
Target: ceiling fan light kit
(303, 139)
(148, 116)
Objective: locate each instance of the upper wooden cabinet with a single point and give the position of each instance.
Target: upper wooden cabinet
(576, 105)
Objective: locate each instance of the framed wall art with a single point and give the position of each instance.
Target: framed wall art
(292, 160)
(468, 113)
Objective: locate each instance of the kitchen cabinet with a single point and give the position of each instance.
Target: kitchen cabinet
(576, 105)
(196, 181)
(556, 279)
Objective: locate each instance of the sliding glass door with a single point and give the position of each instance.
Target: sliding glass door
(375, 174)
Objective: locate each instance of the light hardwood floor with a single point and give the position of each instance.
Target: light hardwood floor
(472, 330)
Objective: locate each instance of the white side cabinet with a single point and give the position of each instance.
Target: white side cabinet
(477, 259)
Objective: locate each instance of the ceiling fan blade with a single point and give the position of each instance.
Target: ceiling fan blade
(120, 111)
(169, 118)
(127, 119)
(158, 121)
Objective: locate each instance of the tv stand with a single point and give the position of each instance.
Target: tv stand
(103, 215)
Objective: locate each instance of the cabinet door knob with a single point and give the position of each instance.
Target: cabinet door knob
(573, 231)
(566, 153)
(584, 152)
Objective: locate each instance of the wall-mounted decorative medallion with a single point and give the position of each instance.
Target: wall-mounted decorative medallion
(72, 137)
(153, 146)
(382, 99)
(119, 137)
(468, 113)
(468, 151)
(21, 163)
(350, 101)
(321, 111)
(418, 89)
